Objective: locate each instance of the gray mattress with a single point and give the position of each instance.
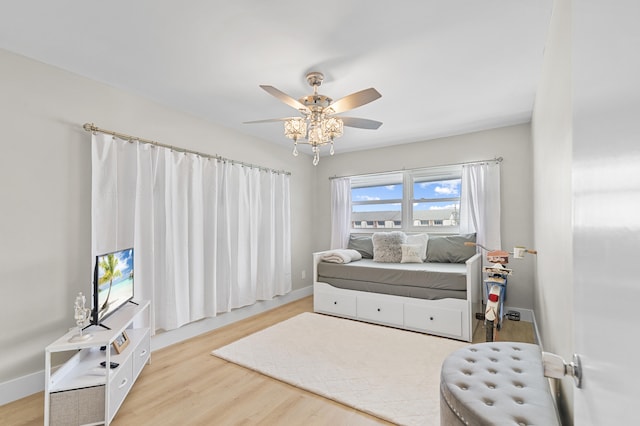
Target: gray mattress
(417, 280)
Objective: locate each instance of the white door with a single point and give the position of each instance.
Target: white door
(606, 188)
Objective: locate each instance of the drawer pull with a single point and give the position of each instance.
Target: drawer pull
(124, 382)
(143, 353)
(431, 318)
(335, 303)
(378, 309)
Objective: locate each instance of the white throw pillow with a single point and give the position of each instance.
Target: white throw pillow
(411, 253)
(423, 240)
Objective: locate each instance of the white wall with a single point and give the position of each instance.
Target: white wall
(512, 143)
(45, 170)
(552, 162)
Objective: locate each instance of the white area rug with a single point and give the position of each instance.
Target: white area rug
(389, 373)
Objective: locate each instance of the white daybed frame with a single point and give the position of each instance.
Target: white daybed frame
(442, 317)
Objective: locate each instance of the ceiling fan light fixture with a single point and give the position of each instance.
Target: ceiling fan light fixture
(319, 126)
(333, 128)
(316, 134)
(295, 128)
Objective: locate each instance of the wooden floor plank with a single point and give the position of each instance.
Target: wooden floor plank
(186, 385)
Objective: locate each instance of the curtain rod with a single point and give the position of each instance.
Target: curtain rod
(496, 159)
(90, 127)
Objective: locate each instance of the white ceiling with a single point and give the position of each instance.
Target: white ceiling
(443, 67)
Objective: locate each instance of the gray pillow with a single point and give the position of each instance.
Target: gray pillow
(387, 246)
(450, 248)
(363, 244)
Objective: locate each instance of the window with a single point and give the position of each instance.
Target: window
(376, 201)
(424, 200)
(436, 201)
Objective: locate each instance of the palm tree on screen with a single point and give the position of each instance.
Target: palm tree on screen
(109, 265)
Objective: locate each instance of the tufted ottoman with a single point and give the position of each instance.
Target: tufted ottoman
(499, 383)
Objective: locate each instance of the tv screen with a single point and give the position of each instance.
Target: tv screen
(112, 283)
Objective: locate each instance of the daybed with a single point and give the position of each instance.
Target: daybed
(438, 294)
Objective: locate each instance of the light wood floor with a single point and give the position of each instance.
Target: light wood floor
(185, 385)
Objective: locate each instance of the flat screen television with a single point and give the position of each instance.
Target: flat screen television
(112, 283)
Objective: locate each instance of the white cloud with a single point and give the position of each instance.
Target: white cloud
(390, 187)
(367, 198)
(449, 207)
(443, 187)
(447, 189)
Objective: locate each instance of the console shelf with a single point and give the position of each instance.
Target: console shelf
(81, 391)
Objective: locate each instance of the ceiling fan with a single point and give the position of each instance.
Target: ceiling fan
(319, 124)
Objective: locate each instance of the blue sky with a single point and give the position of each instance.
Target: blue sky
(430, 190)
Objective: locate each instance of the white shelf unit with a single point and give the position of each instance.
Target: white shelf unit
(81, 391)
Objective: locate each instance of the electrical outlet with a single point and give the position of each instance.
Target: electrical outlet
(304, 275)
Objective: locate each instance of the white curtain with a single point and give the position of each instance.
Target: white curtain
(480, 203)
(340, 212)
(209, 236)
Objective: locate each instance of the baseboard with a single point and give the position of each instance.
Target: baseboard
(536, 332)
(188, 331)
(21, 387)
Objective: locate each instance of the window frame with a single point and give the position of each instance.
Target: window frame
(377, 180)
(408, 179)
(438, 174)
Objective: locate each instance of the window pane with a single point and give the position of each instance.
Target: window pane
(376, 216)
(436, 213)
(377, 193)
(423, 189)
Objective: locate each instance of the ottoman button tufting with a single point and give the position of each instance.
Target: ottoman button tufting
(486, 389)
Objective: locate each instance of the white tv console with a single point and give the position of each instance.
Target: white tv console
(81, 391)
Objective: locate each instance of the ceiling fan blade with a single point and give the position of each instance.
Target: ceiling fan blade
(355, 100)
(361, 123)
(269, 120)
(284, 97)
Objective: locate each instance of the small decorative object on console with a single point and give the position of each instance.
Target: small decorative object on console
(81, 315)
(121, 342)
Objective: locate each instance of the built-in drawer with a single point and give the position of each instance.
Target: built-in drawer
(343, 304)
(120, 384)
(141, 353)
(380, 311)
(433, 320)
